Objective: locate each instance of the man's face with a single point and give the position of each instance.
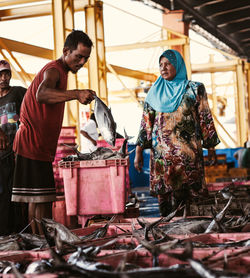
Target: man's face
(5, 77)
(75, 59)
(167, 70)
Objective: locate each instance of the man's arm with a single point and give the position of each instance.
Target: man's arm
(85, 134)
(47, 92)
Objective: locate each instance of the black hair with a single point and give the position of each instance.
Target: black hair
(76, 37)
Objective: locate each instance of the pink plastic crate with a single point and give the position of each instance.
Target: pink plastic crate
(67, 140)
(68, 131)
(118, 144)
(94, 186)
(216, 186)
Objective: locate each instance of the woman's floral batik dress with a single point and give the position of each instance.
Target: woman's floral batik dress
(176, 140)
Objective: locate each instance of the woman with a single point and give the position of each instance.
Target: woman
(176, 125)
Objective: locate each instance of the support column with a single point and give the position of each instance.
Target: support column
(63, 23)
(174, 21)
(240, 105)
(248, 98)
(214, 97)
(97, 62)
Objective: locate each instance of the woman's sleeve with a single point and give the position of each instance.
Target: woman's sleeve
(144, 139)
(209, 135)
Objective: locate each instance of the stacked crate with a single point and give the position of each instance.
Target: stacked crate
(239, 173)
(218, 171)
(240, 190)
(67, 136)
(94, 187)
(118, 145)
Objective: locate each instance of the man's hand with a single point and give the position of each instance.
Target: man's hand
(4, 143)
(86, 96)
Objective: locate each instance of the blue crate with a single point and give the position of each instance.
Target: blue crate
(139, 179)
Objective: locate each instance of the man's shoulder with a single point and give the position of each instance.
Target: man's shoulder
(19, 90)
(55, 64)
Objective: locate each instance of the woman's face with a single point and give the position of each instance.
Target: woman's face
(167, 70)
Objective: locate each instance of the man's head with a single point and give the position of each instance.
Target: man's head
(5, 74)
(77, 49)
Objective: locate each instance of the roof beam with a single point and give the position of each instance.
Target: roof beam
(215, 67)
(6, 3)
(35, 10)
(133, 46)
(211, 28)
(46, 53)
(135, 73)
(28, 49)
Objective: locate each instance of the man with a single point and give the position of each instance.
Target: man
(90, 135)
(10, 102)
(41, 121)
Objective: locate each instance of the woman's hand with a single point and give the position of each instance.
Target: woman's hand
(138, 161)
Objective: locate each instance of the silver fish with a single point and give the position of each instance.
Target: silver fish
(218, 218)
(101, 153)
(105, 121)
(52, 228)
(40, 266)
(33, 241)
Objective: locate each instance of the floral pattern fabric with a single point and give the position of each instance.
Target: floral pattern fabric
(176, 140)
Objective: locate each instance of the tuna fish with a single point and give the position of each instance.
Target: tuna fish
(105, 121)
(51, 228)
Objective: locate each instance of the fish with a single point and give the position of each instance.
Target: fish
(156, 250)
(194, 225)
(99, 232)
(79, 155)
(218, 218)
(40, 266)
(105, 121)
(10, 245)
(148, 226)
(32, 241)
(101, 153)
(51, 229)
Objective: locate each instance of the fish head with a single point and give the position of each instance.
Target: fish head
(49, 227)
(52, 229)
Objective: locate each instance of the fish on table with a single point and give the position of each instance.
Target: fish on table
(101, 153)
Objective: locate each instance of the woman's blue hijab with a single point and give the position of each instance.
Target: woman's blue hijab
(166, 96)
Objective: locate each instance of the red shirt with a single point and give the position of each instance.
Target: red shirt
(41, 123)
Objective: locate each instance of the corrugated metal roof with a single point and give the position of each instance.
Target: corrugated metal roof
(227, 20)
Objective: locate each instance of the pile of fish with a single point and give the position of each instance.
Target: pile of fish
(100, 153)
(240, 194)
(107, 128)
(166, 247)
